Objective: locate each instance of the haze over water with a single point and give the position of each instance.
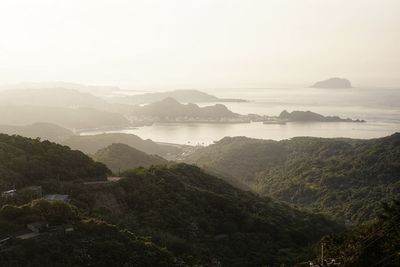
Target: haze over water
(378, 106)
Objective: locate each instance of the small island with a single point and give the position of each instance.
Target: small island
(333, 83)
(308, 116)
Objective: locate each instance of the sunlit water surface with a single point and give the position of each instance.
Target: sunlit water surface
(379, 107)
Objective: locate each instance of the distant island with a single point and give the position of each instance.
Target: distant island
(333, 83)
(183, 96)
(170, 110)
(308, 116)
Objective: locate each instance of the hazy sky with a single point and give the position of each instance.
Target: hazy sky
(210, 43)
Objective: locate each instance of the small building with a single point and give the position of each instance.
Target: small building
(57, 197)
(9, 193)
(68, 228)
(27, 235)
(38, 227)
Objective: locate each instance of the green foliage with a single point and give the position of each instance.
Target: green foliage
(121, 157)
(374, 244)
(25, 161)
(345, 178)
(92, 243)
(204, 219)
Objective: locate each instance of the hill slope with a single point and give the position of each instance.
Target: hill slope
(345, 178)
(121, 157)
(47, 131)
(90, 144)
(25, 161)
(205, 220)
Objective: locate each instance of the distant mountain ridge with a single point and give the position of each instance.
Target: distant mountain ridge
(170, 109)
(333, 83)
(42, 130)
(183, 96)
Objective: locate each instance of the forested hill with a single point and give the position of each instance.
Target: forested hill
(121, 157)
(345, 178)
(25, 161)
(204, 220)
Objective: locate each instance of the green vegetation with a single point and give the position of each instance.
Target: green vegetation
(204, 220)
(91, 243)
(374, 244)
(344, 178)
(121, 157)
(90, 144)
(25, 161)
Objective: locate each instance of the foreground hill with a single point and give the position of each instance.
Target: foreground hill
(90, 144)
(374, 244)
(345, 178)
(47, 131)
(203, 219)
(121, 157)
(333, 83)
(183, 96)
(25, 161)
(90, 243)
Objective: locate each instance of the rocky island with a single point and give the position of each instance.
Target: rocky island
(333, 83)
(308, 116)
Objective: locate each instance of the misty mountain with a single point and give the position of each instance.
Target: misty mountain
(121, 157)
(71, 118)
(333, 83)
(343, 177)
(59, 97)
(100, 90)
(183, 96)
(170, 109)
(90, 144)
(47, 131)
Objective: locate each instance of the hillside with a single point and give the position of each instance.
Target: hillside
(25, 161)
(121, 157)
(203, 219)
(374, 244)
(43, 130)
(183, 96)
(90, 243)
(171, 110)
(333, 83)
(342, 177)
(90, 144)
(71, 118)
(61, 97)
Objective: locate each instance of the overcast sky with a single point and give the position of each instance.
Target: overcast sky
(200, 43)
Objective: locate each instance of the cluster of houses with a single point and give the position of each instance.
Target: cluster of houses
(35, 229)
